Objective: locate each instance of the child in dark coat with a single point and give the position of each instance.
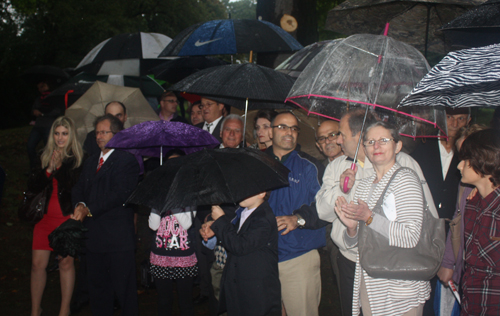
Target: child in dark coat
(250, 281)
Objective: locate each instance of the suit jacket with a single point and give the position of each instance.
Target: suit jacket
(250, 281)
(444, 191)
(111, 227)
(216, 132)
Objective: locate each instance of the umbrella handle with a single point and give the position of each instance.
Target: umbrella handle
(346, 180)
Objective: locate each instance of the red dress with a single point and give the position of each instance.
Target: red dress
(49, 222)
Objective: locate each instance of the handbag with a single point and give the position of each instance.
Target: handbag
(421, 263)
(34, 205)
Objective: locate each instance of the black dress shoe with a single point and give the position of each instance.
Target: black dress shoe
(77, 307)
(200, 299)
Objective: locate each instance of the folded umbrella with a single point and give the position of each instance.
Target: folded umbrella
(68, 239)
(210, 177)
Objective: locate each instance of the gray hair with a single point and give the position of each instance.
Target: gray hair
(232, 117)
(390, 127)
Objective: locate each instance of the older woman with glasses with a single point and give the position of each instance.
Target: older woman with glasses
(400, 223)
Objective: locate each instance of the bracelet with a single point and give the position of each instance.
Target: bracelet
(89, 214)
(369, 220)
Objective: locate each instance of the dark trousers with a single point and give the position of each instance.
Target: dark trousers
(429, 304)
(109, 275)
(165, 288)
(347, 269)
(81, 293)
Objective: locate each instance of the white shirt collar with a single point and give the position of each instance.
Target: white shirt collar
(106, 156)
(214, 124)
(446, 158)
(244, 215)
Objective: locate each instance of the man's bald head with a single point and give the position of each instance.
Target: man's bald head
(117, 109)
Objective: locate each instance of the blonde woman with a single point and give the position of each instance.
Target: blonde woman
(61, 161)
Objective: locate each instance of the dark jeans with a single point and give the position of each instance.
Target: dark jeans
(37, 134)
(165, 288)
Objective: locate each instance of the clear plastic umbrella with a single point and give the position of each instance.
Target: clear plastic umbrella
(371, 71)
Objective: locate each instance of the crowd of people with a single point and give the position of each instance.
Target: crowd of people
(261, 257)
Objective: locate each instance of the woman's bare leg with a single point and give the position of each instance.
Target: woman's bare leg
(67, 276)
(40, 260)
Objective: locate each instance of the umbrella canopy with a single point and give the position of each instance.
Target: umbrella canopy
(74, 88)
(179, 68)
(363, 70)
(475, 28)
(156, 138)
(129, 54)
(68, 239)
(465, 78)
(412, 21)
(37, 74)
(262, 86)
(210, 177)
(221, 37)
(296, 63)
(91, 105)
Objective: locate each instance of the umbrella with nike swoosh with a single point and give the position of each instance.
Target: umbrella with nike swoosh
(231, 36)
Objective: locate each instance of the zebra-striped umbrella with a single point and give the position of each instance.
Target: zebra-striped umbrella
(465, 78)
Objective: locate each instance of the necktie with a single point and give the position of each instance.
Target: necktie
(101, 162)
(208, 126)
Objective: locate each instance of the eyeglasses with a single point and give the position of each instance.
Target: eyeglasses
(331, 137)
(102, 133)
(286, 128)
(381, 142)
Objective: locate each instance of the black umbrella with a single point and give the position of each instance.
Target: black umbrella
(244, 86)
(210, 177)
(412, 21)
(475, 28)
(178, 69)
(68, 239)
(128, 54)
(41, 73)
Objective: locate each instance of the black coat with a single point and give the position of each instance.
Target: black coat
(216, 132)
(444, 191)
(111, 227)
(66, 177)
(250, 281)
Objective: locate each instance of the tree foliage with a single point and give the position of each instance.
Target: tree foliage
(62, 32)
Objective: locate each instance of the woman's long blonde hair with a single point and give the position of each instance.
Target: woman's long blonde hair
(72, 148)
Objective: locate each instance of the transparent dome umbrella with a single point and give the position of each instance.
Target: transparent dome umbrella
(370, 71)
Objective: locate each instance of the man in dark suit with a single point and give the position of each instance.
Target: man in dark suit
(439, 162)
(115, 108)
(106, 181)
(212, 114)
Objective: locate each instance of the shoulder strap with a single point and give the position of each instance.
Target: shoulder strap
(381, 198)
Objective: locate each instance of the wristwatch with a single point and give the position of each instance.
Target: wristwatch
(300, 220)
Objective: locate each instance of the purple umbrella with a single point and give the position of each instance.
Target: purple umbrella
(156, 138)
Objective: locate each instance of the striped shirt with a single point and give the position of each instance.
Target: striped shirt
(388, 296)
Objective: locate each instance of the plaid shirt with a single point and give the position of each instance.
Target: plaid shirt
(481, 281)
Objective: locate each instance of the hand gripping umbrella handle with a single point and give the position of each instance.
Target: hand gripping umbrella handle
(346, 180)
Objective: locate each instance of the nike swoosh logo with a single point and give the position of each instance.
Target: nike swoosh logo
(198, 43)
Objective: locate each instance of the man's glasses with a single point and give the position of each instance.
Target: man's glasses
(331, 137)
(286, 128)
(102, 133)
(381, 142)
